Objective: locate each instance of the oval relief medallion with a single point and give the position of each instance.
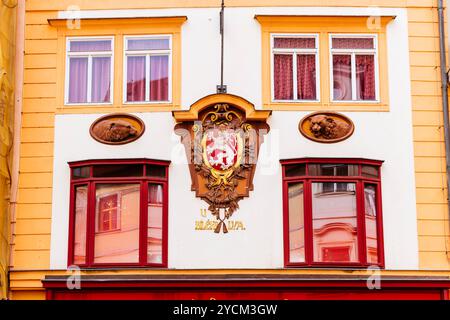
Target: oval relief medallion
(326, 127)
(117, 128)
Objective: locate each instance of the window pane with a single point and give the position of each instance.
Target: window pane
(118, 170)
(371, 222)
(136, 78)
(101, 79)
(89, 46)
(294, 170)
(365, 77)
(342, 170)
(159, 78)
(156, 171)
(294, 43)
(283, 78)
(80, 173)
(334, 224)
(296, 223)
(79, 246)
(155, 217)
(353, 43)
(306, 76)
(342, 77)
(117, 223)
(148, 44)
(78, 77)
(369, 171)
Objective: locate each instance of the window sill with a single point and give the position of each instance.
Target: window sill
(150, 107)
(333, 106)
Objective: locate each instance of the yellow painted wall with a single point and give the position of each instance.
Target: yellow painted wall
(7, 50)
(32, 242)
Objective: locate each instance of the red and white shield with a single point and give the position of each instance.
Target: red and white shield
(221, 148)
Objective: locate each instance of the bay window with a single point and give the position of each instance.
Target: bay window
(295, 62)
(89, 71)
(118, 214)
(147, 69)
(354, 68)
(332, 212)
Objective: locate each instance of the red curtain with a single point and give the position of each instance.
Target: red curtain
(342, 77)
(365, 77)
(136, 78)
(283, 78)
(306, 77)
(295, 43)
(353, 43)
(159, 78)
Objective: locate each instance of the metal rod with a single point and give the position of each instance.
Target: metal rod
(221, 88)
(444, 87)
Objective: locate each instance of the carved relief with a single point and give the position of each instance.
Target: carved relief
(117, 129)
(222, 143)
(326, 127)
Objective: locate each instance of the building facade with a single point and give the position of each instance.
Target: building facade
(319, 171)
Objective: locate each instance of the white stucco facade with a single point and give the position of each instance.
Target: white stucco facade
(383, 136)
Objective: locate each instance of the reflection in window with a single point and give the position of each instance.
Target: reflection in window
(371, 223)
(117, 217)
(79, 255)
(155, 223)
(334, 225)
(296, 223)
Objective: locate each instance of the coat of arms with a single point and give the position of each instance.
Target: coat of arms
(222, 142)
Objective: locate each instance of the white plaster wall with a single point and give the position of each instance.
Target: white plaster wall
(386, 136)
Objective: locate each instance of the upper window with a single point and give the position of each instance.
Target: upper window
(118, 213)
(89, 71)
(354, 68)
(295, 62)
(147, 69)
(332, 212)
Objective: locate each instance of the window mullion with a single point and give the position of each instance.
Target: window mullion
(294, 77)
(147, 78)
(353, 66)
(89, 80)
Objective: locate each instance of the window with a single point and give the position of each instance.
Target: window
(332, 212)
(354, 68)
(295, 59)
(147, 69)
(89, 73)
(118, 213)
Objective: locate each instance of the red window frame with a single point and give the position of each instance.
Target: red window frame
(307, 180)
(91, 229)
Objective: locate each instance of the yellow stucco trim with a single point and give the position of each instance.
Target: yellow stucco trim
(119, 28)
(323, 26)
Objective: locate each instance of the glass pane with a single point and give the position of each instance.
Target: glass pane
(295, 43)
(155, 217)
(78, 76)
(370, 205)
(353, 43)
(334, 224)
(80, 172)
(101, 79)
(79, 245)
(136, 66)
(283, 77)
(159, 78)
(365, 77)
(306, 76)
(370, 171)
(148, 44)
(89, 46)
(340, 170)
(117, 213)
(156, 171)
(119, 170)
(342, 77)
(296, 223)
(294, 170)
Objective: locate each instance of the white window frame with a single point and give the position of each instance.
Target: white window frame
(353, 53)
(294, 53)
(147, 54)
(89, 55)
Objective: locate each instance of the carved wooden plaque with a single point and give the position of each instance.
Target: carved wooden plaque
(222, 135)
(326, 127)
(117, 128)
